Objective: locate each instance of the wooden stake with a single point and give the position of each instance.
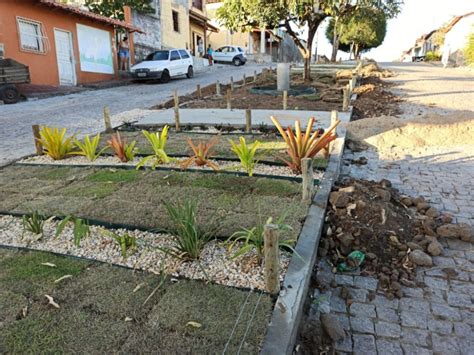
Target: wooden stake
(176, 110)
(345, 99)
(334, 116)
(271, 254)
(229, 99)
(232, 83)
(254, 75)
(108, 124)
(244, 80)
(37, 137)
(308, 179)
(218, 88)
(285, 99)
(198, 91)
(248, 121)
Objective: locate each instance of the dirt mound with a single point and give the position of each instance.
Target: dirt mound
(395, 232)
(368, 70)
(430, 130)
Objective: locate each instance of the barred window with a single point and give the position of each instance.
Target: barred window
(31, 35)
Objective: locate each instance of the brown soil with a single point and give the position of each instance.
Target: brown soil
(431, 130)
(328, 95)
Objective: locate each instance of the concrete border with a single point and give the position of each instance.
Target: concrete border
(283, 328)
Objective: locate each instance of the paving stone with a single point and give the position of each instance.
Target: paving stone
(443, 261)
(468, 317)
(364, 344)
(436, 283)
(411, 349)
(444, 311)
(414, 304)
(338, 304)
(444, 345)
(387, 314)
(440, 326)
(344, 344)
(382, 301)
(434, 295)
(466, 345)
(414, 319)
(457, 244)
(459, 299)
(389, 347)
(388, 330)
(415, 336)
(362, 324)
(344, 320)
(463, 329)
(362, 309)
(463, 287)
(412, 292)
(358, 294)
(366, 283)
(344, 280)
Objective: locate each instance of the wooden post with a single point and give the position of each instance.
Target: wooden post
(248, 121)
(345, 99)
(271, 254)
(218, 88)
(255, 76)
(308, 179)
(232, 83)
(198, 91)
(108, 124)
(229, 99)
(37, 137)
(334, 118)
(285, 100)
(244, 80)
(176, 110)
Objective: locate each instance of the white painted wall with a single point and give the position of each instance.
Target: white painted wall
(457, 37)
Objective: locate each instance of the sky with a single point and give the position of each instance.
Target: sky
(416, 18)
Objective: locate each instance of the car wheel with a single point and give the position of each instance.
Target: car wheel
(237, 62)
(9, 94)
(190, 73)
(165, 76)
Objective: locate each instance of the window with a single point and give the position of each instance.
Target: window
(160, 55)
(2, 51)
(197, 4)
(174, 55)
(31, 35)
(183, 53)
(175, 21)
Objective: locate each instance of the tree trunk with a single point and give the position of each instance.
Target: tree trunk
(335, 41)
(307, 55)
(356, 51)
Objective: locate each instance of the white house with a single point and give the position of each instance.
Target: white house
(457, 33)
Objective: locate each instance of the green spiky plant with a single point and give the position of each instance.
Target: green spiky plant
(33, 223)
(80, 231)
(126, 242)
(55, 143)
(158, 143)
(88, 147)
(253, 238)
(246, 154)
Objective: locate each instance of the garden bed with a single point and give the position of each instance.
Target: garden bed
(109, 309)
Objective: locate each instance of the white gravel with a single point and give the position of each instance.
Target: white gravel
(276, 170)
(215, 259)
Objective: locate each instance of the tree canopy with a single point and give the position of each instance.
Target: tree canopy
(114, 8)
(360, 31)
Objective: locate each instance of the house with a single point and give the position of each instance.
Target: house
(456, 36)
(61, 44)
(423, 45)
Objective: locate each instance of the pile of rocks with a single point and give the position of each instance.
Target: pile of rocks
(396, 232)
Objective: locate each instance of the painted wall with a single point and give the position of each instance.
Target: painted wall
(43, 66)
(457, 39)
(169, 37)
(150, 23)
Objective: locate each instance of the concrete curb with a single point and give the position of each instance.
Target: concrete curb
(283, 328)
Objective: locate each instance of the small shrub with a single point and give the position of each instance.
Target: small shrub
(126, 242)
(55, 143)
(33, 223)
(305, 145)
(80, 231)
(254, 238)
(469, 49)
(202, 152)
(88, 147)
(432, 56)
(125, 152)
(190, 237)
(158, 143)
(246, 153)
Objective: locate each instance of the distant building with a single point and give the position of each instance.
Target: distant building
(456, 37)
(61, 44)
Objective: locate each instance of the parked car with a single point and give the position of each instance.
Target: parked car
(230, 54)
(164, 65)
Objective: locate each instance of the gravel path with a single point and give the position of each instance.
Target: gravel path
(82, 112)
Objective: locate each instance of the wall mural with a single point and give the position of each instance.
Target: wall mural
(95, 50)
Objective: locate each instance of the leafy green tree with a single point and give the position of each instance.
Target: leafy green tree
(295, 16)
(114, 8)
(363, 30)
(469, 50)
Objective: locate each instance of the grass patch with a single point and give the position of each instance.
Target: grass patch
(114, 175)
(54, 174)
(94, 190)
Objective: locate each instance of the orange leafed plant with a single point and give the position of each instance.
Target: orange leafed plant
(125, 152)
(202, 151)
(304, 145)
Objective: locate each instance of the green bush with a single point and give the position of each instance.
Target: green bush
(432, 56)
(469, 50)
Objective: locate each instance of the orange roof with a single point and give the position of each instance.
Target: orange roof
(91, 15)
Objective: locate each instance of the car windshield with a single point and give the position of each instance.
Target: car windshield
(160, 55)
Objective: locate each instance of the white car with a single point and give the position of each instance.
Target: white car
(164, 65)
(230, 54)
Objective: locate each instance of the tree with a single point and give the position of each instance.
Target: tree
(241, 15)
(363, 30)
(114, 8)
